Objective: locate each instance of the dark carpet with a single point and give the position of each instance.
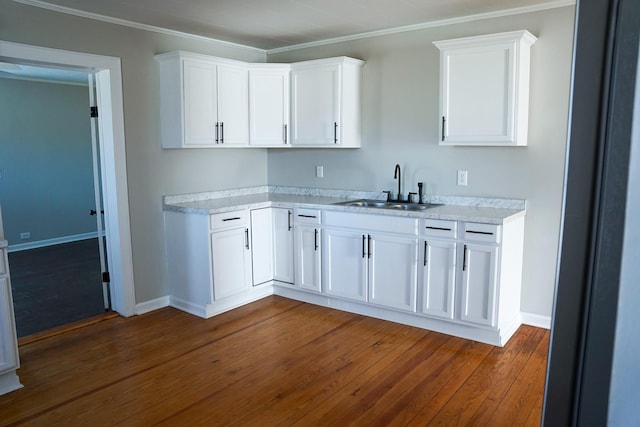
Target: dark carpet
(55, 285)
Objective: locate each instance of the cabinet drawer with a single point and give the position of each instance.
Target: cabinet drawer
(307, 216)
(384, 223)
(229, 220)
(3, 261)
(475, 232)
(438, 228)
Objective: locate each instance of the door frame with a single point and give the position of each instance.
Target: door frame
(108, 74)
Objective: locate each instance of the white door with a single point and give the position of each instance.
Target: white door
(233, 105)
(308, 257)
(345, 264)
(200, 105)
(262, 245)
(268, 107)
(479, 263)
(283, 245)
(8, 344)
(231, 254)
(438, 278)
(478, 94)
(315, 106)
(393, 271)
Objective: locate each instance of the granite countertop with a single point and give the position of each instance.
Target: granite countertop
(489, 211)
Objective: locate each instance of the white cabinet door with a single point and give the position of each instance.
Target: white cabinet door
(269, 107)
(345, 266)
(231, 254)
(484, 89)
(233, 105)
(283, 244)
(200, 103)
(478, 291)
(393, 271)
(308, 257)
(315, 105)
(262, 245)
(438, 278)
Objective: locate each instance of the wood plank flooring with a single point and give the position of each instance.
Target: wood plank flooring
(275, 362)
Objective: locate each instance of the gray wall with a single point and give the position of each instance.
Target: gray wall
(400, 125)
(152, 172)
(46, 186)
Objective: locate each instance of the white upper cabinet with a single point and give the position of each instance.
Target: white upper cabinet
(484, 89)
(204, 101)
(269, 105)
(325, 103)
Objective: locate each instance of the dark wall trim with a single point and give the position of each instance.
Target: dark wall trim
(580, 361)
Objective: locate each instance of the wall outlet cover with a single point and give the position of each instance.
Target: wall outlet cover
(462, 177)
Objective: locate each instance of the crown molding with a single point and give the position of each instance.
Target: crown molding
(459, 20)
(137, 25)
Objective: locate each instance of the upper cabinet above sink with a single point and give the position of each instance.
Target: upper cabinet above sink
(484, 89)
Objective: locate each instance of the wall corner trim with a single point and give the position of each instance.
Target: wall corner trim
(151, 305)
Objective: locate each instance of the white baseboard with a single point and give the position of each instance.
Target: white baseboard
(154, 304)
(50, 242)
(536, 320)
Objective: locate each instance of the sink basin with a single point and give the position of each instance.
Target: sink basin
(370, 203)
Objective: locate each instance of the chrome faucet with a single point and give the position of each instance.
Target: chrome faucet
(397, 175)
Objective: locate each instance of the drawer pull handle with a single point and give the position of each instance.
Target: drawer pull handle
(285, 134)
(217, 130)
(438, 228)
(246, 236)
(363, 243)
(486, 233)
(288, 220)
(235, 218)
(369, 246)
(335, 132)
(307, 216)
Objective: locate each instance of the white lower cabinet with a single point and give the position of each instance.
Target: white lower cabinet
(376, 265)
(231, 254)
(308, 249)
(283, 245)
(459, 278)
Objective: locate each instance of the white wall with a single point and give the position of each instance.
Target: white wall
(400, 125)
(152, 172)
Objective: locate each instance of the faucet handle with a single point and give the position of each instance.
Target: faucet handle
(410, 198)
(388, 193)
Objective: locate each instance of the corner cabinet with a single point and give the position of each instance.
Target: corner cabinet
(203, 101)
(9, 361)
(484, 89)
(269, 105)
(325, 103)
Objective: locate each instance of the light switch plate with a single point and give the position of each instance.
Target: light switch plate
(319, 171)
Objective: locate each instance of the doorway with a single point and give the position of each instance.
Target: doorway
(112, 155)
(50, 188)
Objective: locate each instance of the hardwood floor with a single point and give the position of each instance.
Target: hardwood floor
(275, 362)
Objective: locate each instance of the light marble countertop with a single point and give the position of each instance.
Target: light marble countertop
(483, 210)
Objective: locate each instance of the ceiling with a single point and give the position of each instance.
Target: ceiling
(274, 24)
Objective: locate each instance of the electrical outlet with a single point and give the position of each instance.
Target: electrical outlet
(25, 235)
(319, 171)
(462, 177)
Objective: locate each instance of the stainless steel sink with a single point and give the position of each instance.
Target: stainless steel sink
(370, 203)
